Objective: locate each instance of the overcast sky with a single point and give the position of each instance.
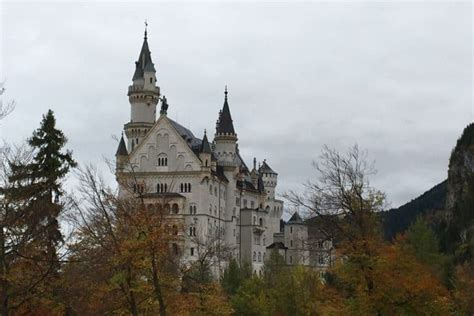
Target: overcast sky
(394, 77)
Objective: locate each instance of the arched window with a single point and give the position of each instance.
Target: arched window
(210, 188)
(254, 256)
(261, 221)
(175, 208)
(190, 209)
(167, 209)
(259, 257)
(182, 187)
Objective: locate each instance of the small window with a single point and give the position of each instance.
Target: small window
(291, 229)
(261, 221)
(151, 80)
(192, 251)
(175, 249)
(254, 256)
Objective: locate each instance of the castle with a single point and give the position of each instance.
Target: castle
(207, 191)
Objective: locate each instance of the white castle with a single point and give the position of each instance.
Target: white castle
(205, 188)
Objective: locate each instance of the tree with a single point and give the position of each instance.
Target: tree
(371, 277)
(235, 275)
(30, 233)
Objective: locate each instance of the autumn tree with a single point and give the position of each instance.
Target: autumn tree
(370, 276)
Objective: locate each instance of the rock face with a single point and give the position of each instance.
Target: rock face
(460, 193)
(461, 168)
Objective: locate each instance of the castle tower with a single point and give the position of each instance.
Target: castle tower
(225, 138)
(143, 96)
(269, 177)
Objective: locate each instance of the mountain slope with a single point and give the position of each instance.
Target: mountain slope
(397, 220)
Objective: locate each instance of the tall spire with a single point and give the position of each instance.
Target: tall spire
(144, 62)
(225, 124)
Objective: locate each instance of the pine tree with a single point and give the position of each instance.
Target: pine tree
(39, 184)
(32, 230)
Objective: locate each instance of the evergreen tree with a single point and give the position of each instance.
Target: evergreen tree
(38, 185)
(30, 232)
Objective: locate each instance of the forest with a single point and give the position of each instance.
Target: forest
(93, 252)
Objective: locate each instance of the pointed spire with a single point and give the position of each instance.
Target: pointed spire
(144, 59)
(205, 146)
(224, 124)
(122, 149)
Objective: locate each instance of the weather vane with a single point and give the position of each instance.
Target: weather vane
(146, 26)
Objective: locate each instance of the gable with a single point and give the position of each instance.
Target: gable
(164, 150)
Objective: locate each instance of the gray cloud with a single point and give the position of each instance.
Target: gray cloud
(394, 77)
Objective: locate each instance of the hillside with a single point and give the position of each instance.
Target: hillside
(397, 220)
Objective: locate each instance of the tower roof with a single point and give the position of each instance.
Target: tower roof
(265, 168)
(224, 124)
(144, 61)
(205, 146)
(296, 218)
(122, 149)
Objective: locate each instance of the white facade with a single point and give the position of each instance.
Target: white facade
(207, 190)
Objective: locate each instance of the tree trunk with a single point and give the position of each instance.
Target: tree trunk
(157, 286)
(4, 281)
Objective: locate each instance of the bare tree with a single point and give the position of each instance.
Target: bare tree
(9, 107)
(346, 204)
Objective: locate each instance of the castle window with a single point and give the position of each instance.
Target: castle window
(192, 231)
(259, 257)
(252, 204)
(151, 80)
(215, 191)
(192, 251)
(261, 221)
(254, 256)
(245, 203)
(291, 229)
(210, 188)
(175, 208)
(237, 201)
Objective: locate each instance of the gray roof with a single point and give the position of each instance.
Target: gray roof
(186, 134)
(265, 168)
(224, 124)
(205, 146)
(122, 149)
(143, 60)
(295, 219)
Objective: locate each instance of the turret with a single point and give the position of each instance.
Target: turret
(225, 138)
(205, 153)
(143, 96)
(269, 178)
(121, 156)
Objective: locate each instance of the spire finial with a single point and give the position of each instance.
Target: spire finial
(146, 26)
(205, 132)
(225, 92)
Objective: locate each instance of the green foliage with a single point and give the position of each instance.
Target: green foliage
(235, 275)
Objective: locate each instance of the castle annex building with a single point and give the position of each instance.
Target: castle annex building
(203, 185)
